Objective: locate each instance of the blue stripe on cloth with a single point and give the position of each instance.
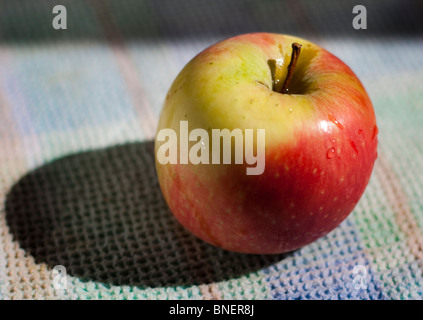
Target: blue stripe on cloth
(325, 270)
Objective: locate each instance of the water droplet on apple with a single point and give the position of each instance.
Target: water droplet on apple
(290, 110)
(354, 146)
(330, 153)
(336, 122)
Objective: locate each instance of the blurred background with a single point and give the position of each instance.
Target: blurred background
(78, 113)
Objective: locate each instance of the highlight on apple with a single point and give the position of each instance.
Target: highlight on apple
(200, 151)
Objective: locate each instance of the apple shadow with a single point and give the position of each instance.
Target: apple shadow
(101, 214)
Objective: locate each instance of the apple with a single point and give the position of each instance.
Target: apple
(320, 143)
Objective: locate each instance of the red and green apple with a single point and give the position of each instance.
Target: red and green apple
(320, 143)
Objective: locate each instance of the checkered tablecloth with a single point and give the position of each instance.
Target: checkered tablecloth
(78, 188)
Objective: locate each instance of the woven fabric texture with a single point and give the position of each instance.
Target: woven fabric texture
(78, 188)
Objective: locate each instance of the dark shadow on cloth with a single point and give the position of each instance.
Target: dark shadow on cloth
(101, 214)
(100, 20)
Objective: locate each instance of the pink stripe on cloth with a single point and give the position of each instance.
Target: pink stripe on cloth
(398, 200)
(12, 150)
(127, 69)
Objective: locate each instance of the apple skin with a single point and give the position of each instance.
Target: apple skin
(321, 145)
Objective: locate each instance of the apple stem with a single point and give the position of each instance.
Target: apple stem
(296, 50)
